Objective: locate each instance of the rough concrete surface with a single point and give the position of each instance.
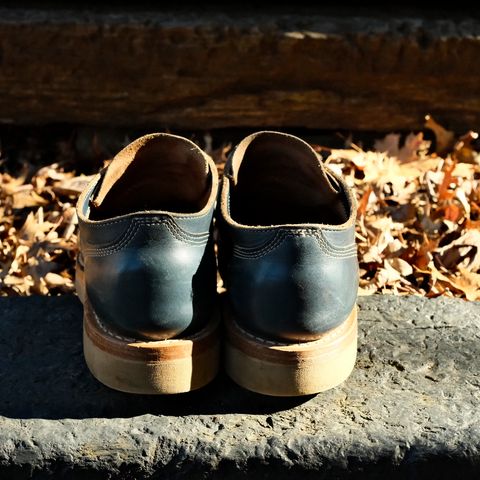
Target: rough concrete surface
(200, 68)
(409, 410)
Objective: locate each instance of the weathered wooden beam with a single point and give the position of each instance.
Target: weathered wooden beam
(204, 69)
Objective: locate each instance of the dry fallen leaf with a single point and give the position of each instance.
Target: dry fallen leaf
(31, 251)
(464, 151)
(418, 228)
(469, 283)
(445, 138)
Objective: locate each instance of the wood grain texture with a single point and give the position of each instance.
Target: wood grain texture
(205, 69)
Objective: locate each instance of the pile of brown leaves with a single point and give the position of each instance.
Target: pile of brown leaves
(38, 231)
(418, 219)
(418, 226)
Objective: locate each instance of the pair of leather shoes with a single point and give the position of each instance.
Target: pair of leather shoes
(147, 268)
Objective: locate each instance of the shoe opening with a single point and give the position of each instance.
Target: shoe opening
(280, 181)
(154, 173)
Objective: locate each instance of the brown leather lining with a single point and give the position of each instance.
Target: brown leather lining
(280, 180)
(156, 172)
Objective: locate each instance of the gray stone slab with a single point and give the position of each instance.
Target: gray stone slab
(201, 67)
(409, 410)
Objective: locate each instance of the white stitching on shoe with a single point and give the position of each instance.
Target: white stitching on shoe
(113, 334)
(329, 335)
(191, 239)
(326, 247)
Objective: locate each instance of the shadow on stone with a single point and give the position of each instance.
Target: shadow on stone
(43, 373)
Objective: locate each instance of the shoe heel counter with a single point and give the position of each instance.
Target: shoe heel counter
(155, 288)
(297, 291)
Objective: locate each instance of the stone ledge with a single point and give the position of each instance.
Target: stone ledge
(410, 409)
(200, 68)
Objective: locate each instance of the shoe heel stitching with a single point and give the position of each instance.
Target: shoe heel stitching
(326, 248)
(253, 254)
(132, 231)
(329, 335)
(113, 334)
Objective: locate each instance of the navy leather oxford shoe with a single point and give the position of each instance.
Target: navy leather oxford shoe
(146, 269)
(288, 258)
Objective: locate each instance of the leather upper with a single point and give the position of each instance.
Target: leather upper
(288, 282)
(149, 274)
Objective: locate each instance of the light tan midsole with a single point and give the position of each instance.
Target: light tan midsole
(163, 377)
(291, 369)
(148, 367)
